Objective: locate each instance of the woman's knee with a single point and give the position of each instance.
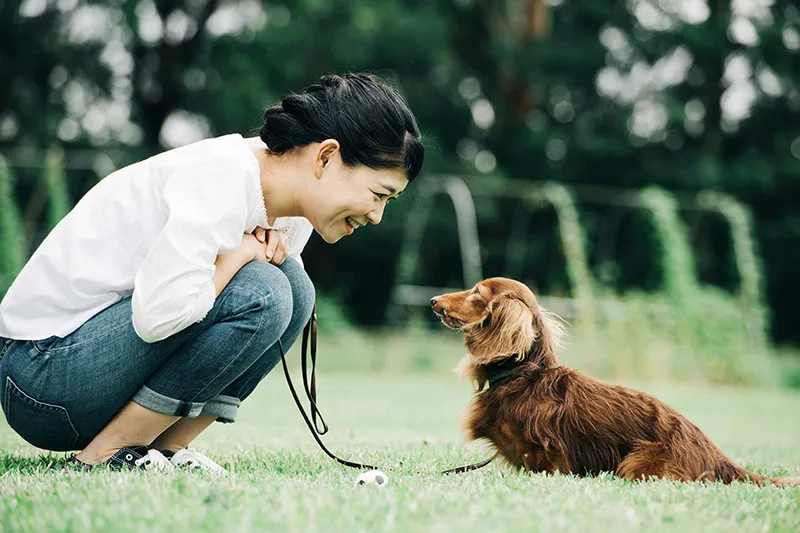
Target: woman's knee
(303, 293)
(263, 288)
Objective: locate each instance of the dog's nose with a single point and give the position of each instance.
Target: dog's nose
(433, 301)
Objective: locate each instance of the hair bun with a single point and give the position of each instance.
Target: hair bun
(370, 119)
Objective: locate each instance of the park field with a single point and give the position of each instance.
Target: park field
(406, 424)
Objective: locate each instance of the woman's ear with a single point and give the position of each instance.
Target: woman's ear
(325, 154)
(507, 329)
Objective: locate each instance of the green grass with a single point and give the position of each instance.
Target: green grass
(407, 424)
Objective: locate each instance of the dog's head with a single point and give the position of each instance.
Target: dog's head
(500, 319)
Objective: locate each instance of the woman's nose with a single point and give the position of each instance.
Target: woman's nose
(376, 215)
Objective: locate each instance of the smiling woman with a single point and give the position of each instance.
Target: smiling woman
(352, 145)
(159, 302)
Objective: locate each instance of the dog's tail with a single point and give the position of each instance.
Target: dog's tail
(778, 481)
(746, 476)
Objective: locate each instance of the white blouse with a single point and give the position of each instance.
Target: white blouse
(151, 231)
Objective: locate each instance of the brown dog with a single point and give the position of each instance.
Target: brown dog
(544, 417)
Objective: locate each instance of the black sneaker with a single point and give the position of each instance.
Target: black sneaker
(73, 463)
(129, 458)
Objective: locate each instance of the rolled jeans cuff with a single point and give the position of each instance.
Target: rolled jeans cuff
(150, 399)
(223, 407)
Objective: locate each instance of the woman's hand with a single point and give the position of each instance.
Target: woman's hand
(261, 245)
(271, 246)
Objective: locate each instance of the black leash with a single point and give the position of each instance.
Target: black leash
(310, 387)
(311, 391)
(467, 468)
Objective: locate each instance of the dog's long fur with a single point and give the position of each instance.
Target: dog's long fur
(544, 417)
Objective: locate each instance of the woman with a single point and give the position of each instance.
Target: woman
(156, 306)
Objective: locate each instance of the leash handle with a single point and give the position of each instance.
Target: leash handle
(310, 387)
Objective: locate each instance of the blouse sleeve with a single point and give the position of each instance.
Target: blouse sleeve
(207, 211)
(298, 230)
(302, 232)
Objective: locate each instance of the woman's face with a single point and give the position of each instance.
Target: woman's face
(345, 198)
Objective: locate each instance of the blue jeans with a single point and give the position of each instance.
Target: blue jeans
(58, 393)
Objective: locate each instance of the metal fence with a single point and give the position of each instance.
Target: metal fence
(584, 303)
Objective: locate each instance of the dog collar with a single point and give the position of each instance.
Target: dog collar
(508, 373)
(501, 376)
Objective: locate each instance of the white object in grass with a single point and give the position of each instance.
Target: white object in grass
(372, 477)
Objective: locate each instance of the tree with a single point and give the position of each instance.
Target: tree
(685, 95)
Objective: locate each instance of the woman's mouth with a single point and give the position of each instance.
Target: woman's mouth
(351, 224)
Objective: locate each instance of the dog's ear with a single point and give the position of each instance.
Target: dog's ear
(506, 329)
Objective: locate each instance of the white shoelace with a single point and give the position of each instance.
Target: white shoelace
(194, 459)
(155, 460)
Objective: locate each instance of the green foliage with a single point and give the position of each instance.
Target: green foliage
(684, 331)
(576, 92)
(789, 367)
(681, 330)
(746, 257)
(677, 261)
(11, 242)
(42, 68)
(645, 336)
(58, 198)
(573, 245)
(335, 317)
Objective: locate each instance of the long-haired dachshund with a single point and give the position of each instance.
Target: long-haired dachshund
(544, 417)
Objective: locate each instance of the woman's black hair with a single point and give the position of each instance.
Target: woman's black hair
(370, 119)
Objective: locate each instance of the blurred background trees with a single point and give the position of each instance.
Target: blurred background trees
(688, 95)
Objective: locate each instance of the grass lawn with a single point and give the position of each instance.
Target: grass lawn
(407, 424)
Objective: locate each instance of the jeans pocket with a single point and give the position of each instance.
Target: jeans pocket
(44, 425)
(43, 346)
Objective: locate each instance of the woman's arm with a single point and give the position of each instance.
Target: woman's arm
(174, 286)
(227, 265)
(261, 245)
(195, 256)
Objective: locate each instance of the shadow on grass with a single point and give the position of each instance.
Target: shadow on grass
(32, 465)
